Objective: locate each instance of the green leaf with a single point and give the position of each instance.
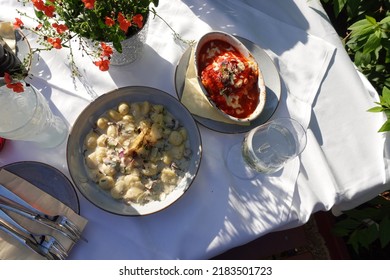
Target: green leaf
(372, 43)
(363, 23)
(368, 235)
(39, 14)
(386, 91)
(117, 45)
(362, 58)
(385, 127)
(347, 223)
(353, 9)
(385, 20)
(375, 109)
(371, 20)
(353, 240)
(384, 232)
(362, 33)
(378, 33)
(385, 98)
(338, 5)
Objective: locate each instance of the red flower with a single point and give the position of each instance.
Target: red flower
(7, 78)
(109, 21)
(16, 87)
(89, 4)
(138, 20)
(55, 42)
(103, 64)
(18, 23)
(107, 50)
(124, 23)
(61, 28)
(38, 4)
(47, 9)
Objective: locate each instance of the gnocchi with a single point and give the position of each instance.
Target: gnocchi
(137, 152)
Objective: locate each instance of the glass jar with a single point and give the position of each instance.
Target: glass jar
(27, 116)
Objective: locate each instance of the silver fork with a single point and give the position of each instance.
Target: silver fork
(47, 241)
(9, 199)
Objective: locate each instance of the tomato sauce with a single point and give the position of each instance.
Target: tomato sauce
(231, 80)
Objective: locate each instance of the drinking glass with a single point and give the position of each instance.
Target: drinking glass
(267, 148)
(27, 116)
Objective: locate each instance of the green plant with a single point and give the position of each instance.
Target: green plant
(367, 225)
(64, 23)
(383, 106)
(365, 29)
(369, 45)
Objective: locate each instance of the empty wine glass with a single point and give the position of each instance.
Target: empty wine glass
(267, 148)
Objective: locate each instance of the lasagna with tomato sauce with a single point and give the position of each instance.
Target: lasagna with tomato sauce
(230, 79)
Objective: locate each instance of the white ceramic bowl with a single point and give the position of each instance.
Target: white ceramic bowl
(219, 35)
(87, 120)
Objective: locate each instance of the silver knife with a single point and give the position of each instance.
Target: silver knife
(12, 202)
(12, 197)
(24, 241)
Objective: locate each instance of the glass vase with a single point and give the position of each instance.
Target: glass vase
(27, 116)
(132, 47)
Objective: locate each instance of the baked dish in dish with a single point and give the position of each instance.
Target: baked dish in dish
(230, 76)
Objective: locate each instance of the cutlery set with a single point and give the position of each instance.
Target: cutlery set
(43, 244)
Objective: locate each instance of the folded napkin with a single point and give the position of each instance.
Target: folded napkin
(195, 101)
(11, 249)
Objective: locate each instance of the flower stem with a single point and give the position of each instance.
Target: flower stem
(176, 35)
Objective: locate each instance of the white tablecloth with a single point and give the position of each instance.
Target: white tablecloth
(342, 166)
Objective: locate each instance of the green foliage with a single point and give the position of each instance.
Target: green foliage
(366, 225)
(353, 10)
(369, 45)
(365, 29)
(383, 106)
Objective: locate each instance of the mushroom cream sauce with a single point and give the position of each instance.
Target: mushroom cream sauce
(138, 152)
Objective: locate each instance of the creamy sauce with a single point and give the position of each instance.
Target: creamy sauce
(229, 78)
(138, 152)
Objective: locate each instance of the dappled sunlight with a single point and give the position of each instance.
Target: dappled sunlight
(253, 210)
(232, 20)
(260, 205)
(253, 207)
